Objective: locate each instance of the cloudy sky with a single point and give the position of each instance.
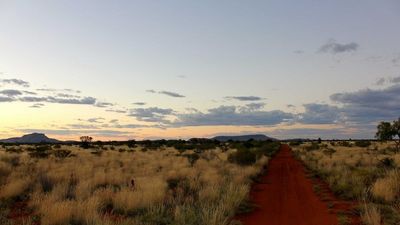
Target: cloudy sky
(180, 69)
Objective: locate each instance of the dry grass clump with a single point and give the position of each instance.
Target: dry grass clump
(15, 187)
(170, 187)
(387, 187)
(371, 215)
(149, 192)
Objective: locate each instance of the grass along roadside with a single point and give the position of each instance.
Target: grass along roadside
(368, 174)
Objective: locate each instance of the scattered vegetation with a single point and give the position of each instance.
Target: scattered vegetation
(363, 171)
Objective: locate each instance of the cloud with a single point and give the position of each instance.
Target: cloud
(320, 114)
(103, 104)
(64, 95)
(298, 51)
(388, 80)
(381, 81)
(252, 107)
(333, 47)
(83, 126)
(366, 106)
(116, 110)
(11, 92)
(6, 99)
(182, 76)
(15, 82)
(395, 80)
(396, 60)
(171, 94)
(139, 103)
(95, 120)
(232, 115)
(78, 101)
(244, 98)
(152, 114)
(37, 105)
(168, 93)
(58, 90)
(32, 99)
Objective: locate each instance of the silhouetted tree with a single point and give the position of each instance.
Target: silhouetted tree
(85, 141)
(131, 143)
(389, 131)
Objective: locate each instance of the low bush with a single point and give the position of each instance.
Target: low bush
(243, 157)
(61, 153)
(362, 144)
(314, 146)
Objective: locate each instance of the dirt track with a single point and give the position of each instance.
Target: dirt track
(285, 196)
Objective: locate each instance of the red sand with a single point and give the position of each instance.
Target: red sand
(286, 197)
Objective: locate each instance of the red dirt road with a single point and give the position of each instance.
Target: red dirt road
(285, 196)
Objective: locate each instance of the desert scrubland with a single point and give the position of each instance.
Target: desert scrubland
(365, 172)
(135, 184)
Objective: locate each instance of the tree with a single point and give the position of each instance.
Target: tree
(389, 131)
(85, 141)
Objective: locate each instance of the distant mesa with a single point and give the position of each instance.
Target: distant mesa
(256, 137)
(34, 138)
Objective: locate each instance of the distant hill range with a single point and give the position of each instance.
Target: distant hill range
(34, 138)
(257, 137)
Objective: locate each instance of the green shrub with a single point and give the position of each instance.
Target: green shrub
(362, 144)
(193, 158)
(314, 146)
(387, 163)
(295, 143)
(243, 157)
(345, 143)
(13, 149)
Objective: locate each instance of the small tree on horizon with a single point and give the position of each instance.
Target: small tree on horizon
(85, 141)
(389, 132)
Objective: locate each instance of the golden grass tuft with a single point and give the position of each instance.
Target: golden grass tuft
(15, 187)
(371, 215)
(388, 187)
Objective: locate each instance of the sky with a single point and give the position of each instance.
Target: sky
(119, 70)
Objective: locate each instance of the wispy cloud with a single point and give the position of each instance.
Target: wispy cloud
(171, 94)
(103, 104)
(139, 103)
(298, 52)
(37, 105)
(396, 60)
(244, 98)
(17, 82)
(116, 110)
(334, 47)
(167, 93)
(151, 91)
(10, 92)
(152, 114)
(6, 99)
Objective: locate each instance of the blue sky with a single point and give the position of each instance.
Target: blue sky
(189, 61)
